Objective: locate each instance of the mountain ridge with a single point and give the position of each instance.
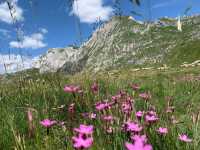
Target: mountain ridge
(123, 42)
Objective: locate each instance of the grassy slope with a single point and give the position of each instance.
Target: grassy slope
(184, 46)
(45, 92)
(189, 52)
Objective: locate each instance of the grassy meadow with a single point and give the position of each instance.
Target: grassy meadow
(173, 95)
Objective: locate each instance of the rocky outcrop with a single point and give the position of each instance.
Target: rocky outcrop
(56, 58)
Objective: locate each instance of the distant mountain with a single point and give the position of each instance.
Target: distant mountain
(125, 42)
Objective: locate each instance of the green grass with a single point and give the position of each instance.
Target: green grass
(45, 92)
(189, 53)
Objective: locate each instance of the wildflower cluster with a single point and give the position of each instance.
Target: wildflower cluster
(118, 113)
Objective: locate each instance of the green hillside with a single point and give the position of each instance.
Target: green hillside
(184, 52)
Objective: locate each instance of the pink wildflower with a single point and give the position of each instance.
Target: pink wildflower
(109, 130)
(72, 89)
(126, 107)
(151, 118)
(81, 143)
(139, 114)
(152, 113)
(132, 127)
(108, 118)
(141, 138)
(145, 96)
(95, 88)
(48, 123)
(138, 144)
(116, 97)
(184, 138)
(135, 87)
(103, 105)
(84, 129)
(162, 131)
(89, 115)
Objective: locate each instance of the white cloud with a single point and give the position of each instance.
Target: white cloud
(33, 41)
(90, 10)
(13, 63)
(43, 30)
(5, 12)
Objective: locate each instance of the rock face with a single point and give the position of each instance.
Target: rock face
(56, 58)
(124, 42)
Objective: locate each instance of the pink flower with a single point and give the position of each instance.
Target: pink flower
(116, 97)
(95, 88)
(89, 115)
(135, 87)
(127, 107)
(108, 118)
(145, 96)
(138, 146)
(162, 131)
(130, 146)
(103, 105)
(72, 89)
(48, 123)
(81, 143)
(84, 129)
(139, 143)
(109, 130)
(139, 114)
(152, 113)
(132, 127)
(151, 118)
(141, 138)
(184, 138)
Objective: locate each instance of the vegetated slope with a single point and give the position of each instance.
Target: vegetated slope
(123, 42)
(185, 52)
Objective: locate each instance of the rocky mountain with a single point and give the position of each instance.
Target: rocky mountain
(125, 42)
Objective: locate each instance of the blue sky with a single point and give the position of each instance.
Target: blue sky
(50, 23)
